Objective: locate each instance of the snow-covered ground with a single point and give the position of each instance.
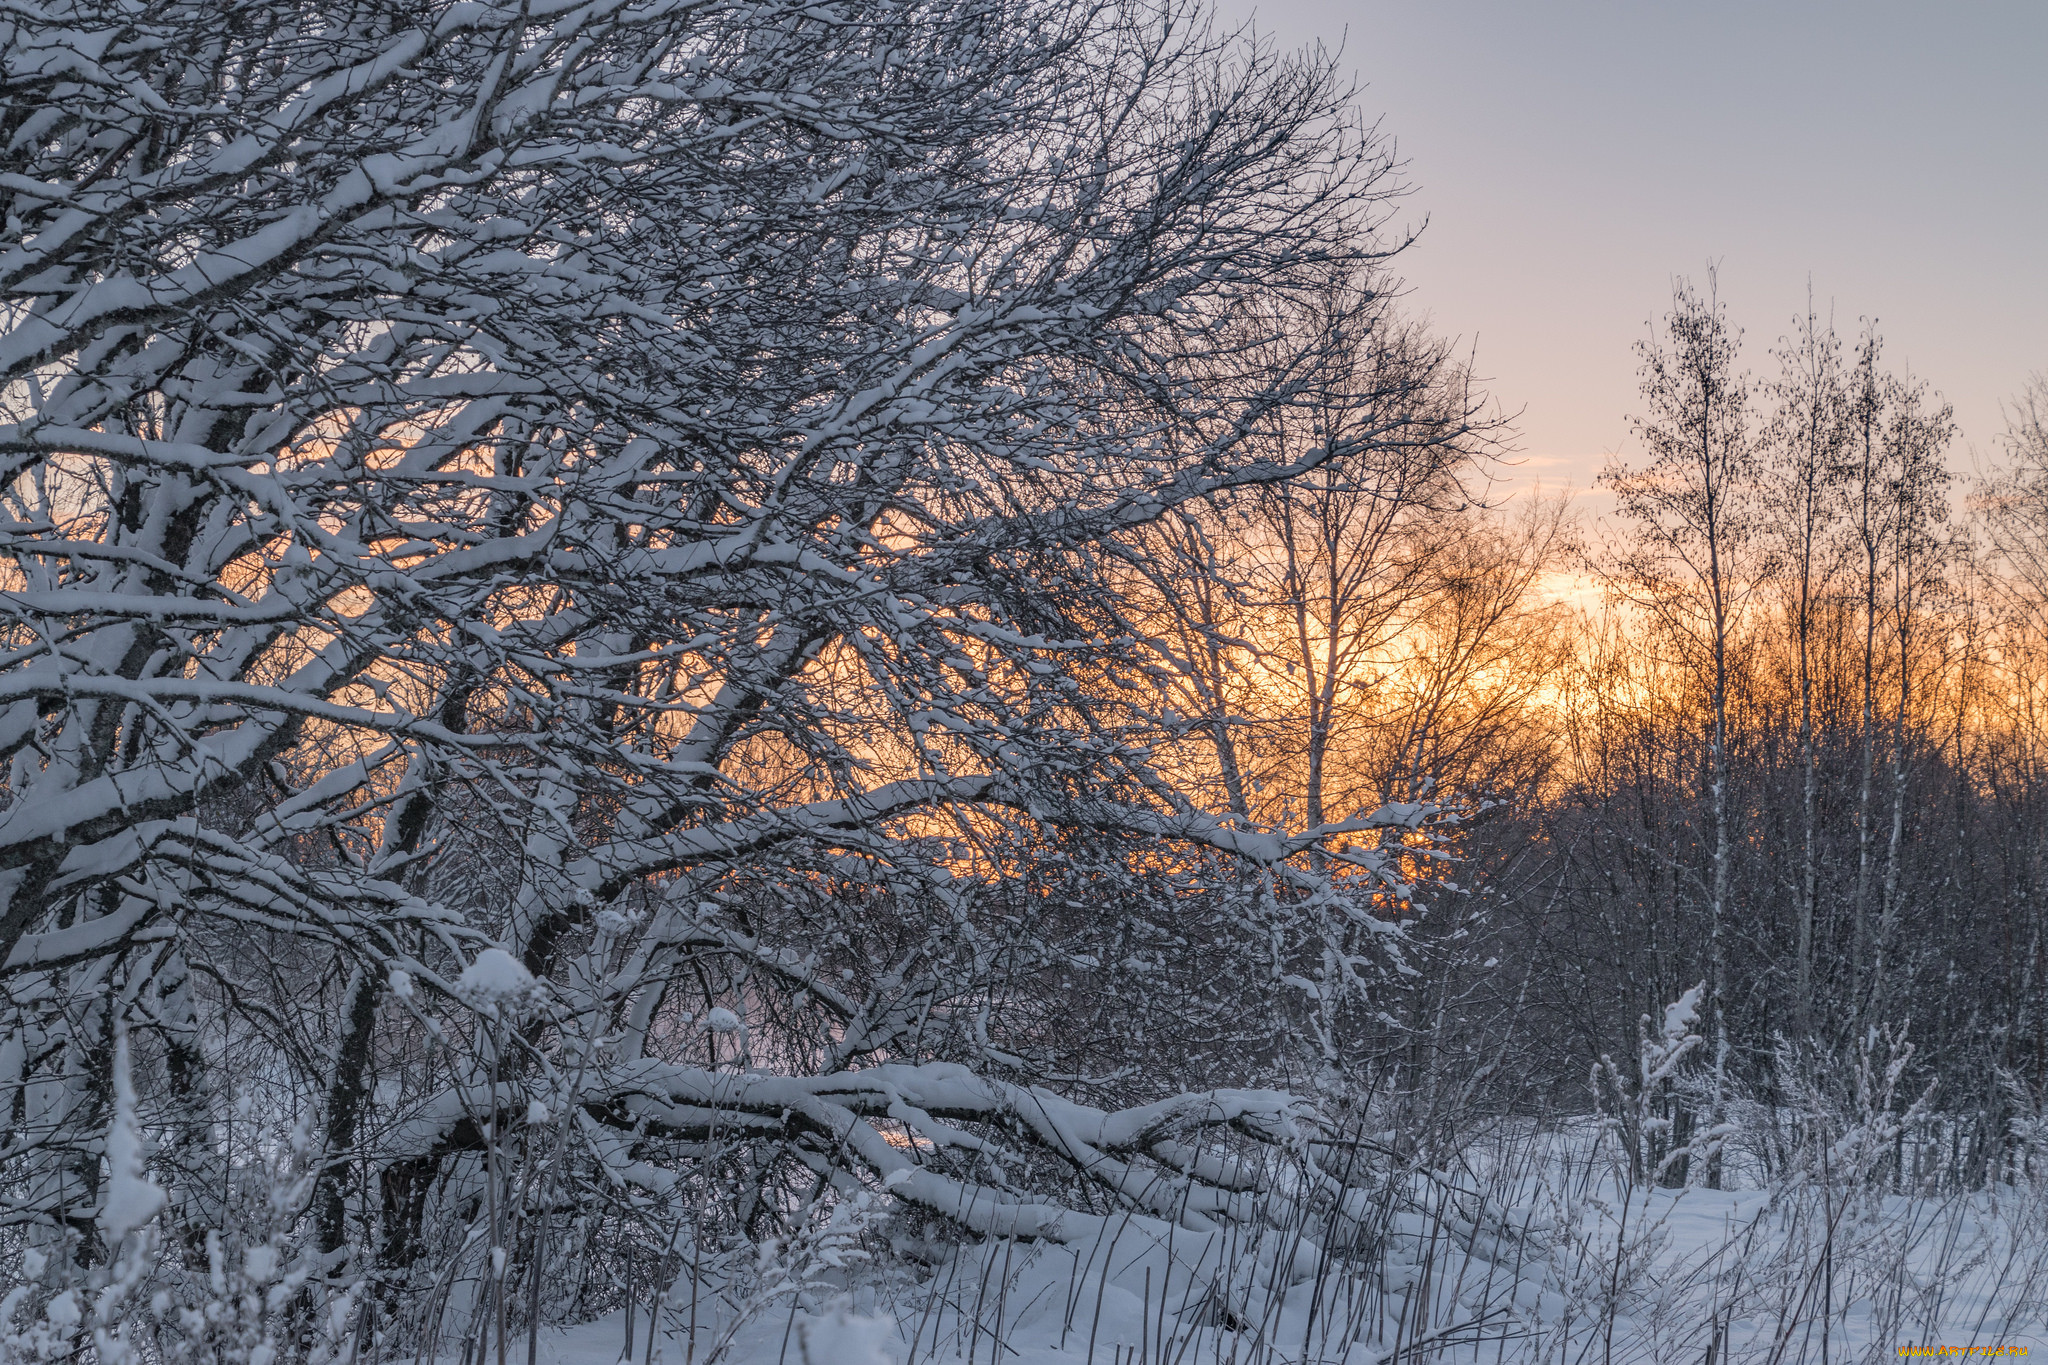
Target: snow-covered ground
(1557, 1275)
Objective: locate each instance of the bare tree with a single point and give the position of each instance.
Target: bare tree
(1917, 437)
(1698, 553)
(1349, 555)
(1807, 436)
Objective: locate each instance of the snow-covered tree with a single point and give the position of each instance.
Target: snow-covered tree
(618, 490)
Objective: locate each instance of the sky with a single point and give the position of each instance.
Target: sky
(1572, 157)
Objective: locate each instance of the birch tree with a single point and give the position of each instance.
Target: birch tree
(1697, 554)
(1808, 434)
(1916, 440)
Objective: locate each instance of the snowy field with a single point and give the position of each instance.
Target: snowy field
(1567, 1273)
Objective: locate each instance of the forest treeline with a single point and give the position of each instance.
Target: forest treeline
(1769, 724)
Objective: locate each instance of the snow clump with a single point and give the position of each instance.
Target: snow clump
(496, 980)
(841, 1337)
(132, 1199)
